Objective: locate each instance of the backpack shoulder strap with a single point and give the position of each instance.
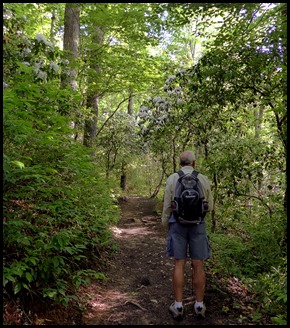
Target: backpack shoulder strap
(195, 173)
(180, 173)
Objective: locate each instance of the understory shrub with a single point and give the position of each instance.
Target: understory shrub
(57, 206)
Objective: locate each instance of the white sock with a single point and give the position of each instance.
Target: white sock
(178, 304)
(198, 304)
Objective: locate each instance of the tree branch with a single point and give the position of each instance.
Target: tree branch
(101, 128)
(260, 199)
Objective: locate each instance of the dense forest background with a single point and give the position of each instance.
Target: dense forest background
(98, 101)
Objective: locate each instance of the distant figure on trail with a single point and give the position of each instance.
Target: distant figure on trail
(189, 239)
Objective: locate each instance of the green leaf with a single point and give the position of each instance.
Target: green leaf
(25, 286)
(55, 261)
(33, 260)
(28, 276)
(17, 288)
(51, 293)
(19, 164)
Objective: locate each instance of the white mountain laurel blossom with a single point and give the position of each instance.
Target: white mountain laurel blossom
(40, 38)
(143, 109)
(37, 65)
(66, 62)
(42, 75)
(179, 101)
(26, 40)
(74, 85)
(159, 100)
(163, 117)
(142, 114)
(53, 66)
(50, 44)
(177, 90)
(162, 106)
(144, 129)
(170, 79)
(26, 51)
(156, 99)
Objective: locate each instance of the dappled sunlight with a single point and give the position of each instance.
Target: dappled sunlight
(108, 306)
(235, 286)
(130, 231)
(108, 300)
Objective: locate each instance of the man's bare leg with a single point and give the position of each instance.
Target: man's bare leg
(198, 279)
(178, 279)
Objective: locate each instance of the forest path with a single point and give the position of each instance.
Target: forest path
(139, 286)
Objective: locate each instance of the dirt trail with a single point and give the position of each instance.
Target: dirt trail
(139, 286)
(138, 290)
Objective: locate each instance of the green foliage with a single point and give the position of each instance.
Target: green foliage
(57, 207)
(230, 107)
(247, 245)
(143, 177)
(229, 254)
(271, 289)
(117, 142)
(55, 222)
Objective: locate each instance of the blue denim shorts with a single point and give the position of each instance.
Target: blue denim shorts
(188, 241)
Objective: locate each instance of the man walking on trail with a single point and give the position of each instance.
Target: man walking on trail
(183, 238)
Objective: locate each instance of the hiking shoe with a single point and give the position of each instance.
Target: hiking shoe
(200, 311)
(177, 313)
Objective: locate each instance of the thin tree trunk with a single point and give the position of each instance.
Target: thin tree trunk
(93, 99)
(215, 193)
(130, 103)
(90, 130)
(52, 27)
(124, 164)
(158, 186)
(258, 120)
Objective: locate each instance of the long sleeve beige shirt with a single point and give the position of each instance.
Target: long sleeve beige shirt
(170, 187)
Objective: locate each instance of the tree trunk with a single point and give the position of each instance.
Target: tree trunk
(130, 103)
(215, 193)
(93, 97)
(70, 45)
(124, 171)
(123, 178)
(90, 130)
(52, 27)
(258, 120)
(71, 41)
(158, 186)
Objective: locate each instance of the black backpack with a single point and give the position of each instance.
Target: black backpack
(189, 205)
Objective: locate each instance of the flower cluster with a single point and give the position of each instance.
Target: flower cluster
(5, 85)
(26, 51)
(42, 75)
(170, 79)
(53, 66)
(41, 38)
(38, 72)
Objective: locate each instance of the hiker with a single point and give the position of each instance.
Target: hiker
(183, 238)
